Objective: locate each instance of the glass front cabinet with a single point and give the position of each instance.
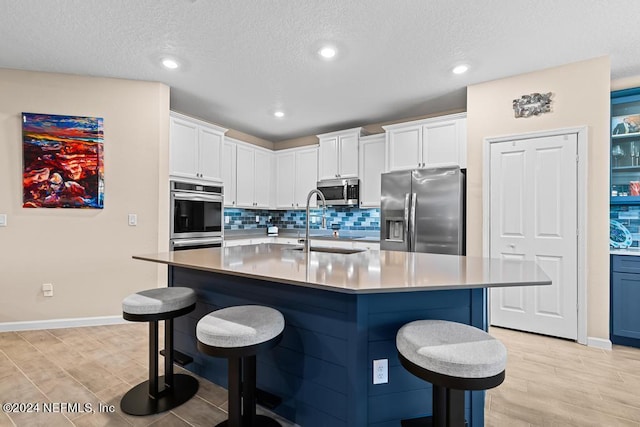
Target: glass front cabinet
(625, 147)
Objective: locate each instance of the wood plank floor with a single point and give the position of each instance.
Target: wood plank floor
(554, 382)
(549, 382)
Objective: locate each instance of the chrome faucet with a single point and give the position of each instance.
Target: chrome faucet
(324, 219)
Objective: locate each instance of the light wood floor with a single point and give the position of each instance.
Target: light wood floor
(554, 382)
(549, 382)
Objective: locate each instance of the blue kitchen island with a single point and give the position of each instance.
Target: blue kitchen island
(342, 311)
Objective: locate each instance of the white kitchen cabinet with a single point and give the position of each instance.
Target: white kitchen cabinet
(426, 143)
(285, 179)
(306, 177)
(287, 240)
(253, 241)
(327, 243)
(371, 167)
(195, 149)
(253, 176)
(370, 246)
(296, 175)
(338, 154)
(229, 173)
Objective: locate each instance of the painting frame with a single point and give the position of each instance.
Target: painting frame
(63, 161)
(625, 125)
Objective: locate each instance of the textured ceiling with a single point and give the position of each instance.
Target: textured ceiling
(241, 60)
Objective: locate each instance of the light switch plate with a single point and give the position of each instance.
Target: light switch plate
(133, 219)
(3, 220)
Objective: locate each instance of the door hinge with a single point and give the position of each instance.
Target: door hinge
(577, 158)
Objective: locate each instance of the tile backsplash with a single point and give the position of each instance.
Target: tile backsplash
(629, 216)
(342, 218)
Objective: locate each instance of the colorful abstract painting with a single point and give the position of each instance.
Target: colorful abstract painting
(63, 161)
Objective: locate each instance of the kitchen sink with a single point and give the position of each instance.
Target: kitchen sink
(344, 251)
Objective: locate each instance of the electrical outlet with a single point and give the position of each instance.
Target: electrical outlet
(47, 289)
(381, 371)
(3, 220)
(257, 218)
(226, 219)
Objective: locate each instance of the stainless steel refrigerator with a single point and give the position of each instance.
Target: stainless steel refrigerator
(423, 210)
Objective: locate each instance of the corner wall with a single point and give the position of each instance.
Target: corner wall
(85, 253)
(581, 94)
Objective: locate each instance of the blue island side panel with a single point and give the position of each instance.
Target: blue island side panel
(322, 369)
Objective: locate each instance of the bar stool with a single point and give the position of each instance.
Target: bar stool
(159, 394)
(453, 357)
(239, 333)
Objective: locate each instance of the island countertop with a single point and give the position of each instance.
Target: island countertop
(371, 271)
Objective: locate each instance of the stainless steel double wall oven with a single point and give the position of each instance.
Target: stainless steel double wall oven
(196, 215)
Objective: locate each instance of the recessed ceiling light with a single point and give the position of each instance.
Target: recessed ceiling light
(170, 63)
(279, 114)
(327, 52)
(460, 69)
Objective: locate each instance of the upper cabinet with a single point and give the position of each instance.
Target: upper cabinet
(338, 154)
(424, 143)
(253, 176)
(195, 149)
(371, 167)
(625, 146)
(296, 175)
(229, 173)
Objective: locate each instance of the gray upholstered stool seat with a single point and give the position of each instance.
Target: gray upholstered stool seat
(240, 326)
(159, 300)
(239, 333)
(454, 357)
(452, 349)
(159, 393)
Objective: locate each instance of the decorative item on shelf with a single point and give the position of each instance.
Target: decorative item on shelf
(617, 152)
(619, 235)
(532, 105)
(63, 161)
(634, 188)
(623, 125)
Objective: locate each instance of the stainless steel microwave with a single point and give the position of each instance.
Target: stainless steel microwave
(340, 192)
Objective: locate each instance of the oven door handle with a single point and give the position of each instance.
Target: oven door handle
(204, 241)
(196, 197)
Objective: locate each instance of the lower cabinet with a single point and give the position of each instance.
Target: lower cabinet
(625, 300)
(346, 244)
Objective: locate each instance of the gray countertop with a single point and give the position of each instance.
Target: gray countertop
(363, 272)
(628, 251)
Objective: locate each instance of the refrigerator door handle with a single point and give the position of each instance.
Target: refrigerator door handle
(412, 221)
(407, 228)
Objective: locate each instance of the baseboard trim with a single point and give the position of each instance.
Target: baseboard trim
(599, 343)
(60, 323)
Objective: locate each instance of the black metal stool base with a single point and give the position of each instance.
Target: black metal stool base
(138, 402)
(260, 421)
(420, 422)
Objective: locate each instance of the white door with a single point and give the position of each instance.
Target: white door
(533, 216)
